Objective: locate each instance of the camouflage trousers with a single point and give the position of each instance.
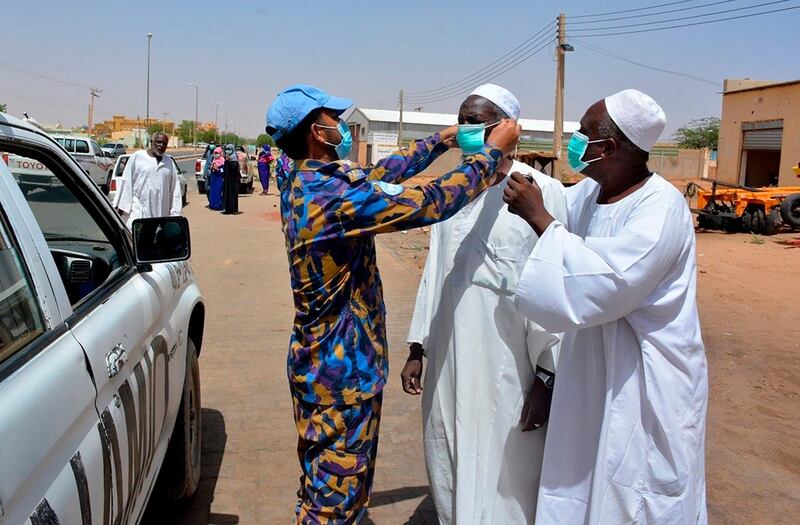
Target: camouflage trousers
(337, 446)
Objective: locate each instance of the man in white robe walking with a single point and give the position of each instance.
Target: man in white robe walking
(149, 186)
(625, 442)
(482, 403)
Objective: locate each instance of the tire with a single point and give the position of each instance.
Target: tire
(201, 187)
(747, 221)
(759, 221)
(774, 222)
(250, 187)
(184, 200)
(790, 210)
(180, 472)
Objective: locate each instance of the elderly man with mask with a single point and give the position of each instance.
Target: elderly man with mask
(625, 441)
(489, 370)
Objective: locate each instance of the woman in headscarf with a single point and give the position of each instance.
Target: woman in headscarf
(230, 192)
(264, 160)
(215, 179)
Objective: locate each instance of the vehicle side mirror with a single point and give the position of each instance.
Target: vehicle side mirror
(160, 240)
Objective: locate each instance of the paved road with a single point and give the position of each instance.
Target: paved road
(250, 470)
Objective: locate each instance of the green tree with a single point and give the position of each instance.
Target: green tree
(208, 136)
(184, 130)
(3, 108)
(264, 139)
(698, 134)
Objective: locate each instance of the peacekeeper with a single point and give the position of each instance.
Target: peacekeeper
(331, 210)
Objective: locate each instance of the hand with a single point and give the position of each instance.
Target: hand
(536, 409)
(524, 198)
(412, 371)
(505, 136)
(448, 136)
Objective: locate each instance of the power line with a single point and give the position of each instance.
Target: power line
(490, 76)
(748, 15)
(682, 9)
(631, 10)
(13, 67)
(608, 53)
(654, 22)
(527, 43)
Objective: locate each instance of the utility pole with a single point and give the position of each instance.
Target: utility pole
(93, 94)
(400, 127)
(147, 108)
(558, 121)
(164, 121)
(216, 117)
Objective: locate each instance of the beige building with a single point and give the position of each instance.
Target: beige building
(759, 136)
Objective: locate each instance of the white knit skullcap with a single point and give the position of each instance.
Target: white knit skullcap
(638, 116)
(501, 97)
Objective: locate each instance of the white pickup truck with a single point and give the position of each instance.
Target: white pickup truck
(100, 332)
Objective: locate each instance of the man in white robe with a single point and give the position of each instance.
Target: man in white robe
(625, 441)
(149, 185)
(481, 391)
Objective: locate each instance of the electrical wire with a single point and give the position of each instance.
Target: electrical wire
(682, 9)
(490, 76)
(13, 67)
(529, 43)
(678, 26)
(690, 17)
(611, 54)
(632, 10)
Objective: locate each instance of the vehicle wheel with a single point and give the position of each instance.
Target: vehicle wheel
(180, 472)
(747, 221)
(790, 210)
(759, 221)
(184, 200)
(774, 222)
(201, 187)
(250, 187)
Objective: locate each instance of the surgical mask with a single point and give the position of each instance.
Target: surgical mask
(216, 155)
(470, 137)
(346, 144)
(576, 149)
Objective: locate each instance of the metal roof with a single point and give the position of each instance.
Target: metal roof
(448, 119)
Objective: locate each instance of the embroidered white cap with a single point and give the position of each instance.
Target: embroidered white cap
(501, 97)
(638, 116)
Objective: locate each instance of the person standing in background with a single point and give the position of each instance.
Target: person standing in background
(216, 179)
(230, 189)
(265, 158)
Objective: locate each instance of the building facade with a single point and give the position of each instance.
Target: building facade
(759, 136)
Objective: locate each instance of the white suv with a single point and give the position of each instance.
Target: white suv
(100, 332)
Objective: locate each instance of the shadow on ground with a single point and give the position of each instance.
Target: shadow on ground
(424, 514)
(198, 510)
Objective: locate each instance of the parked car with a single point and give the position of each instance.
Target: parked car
(101, 329)
(245, 173)
(91, 158)
(115, 149)
(119, 169)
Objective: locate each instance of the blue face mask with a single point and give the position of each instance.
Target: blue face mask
(346, 144)
(470, 137)
(576, 149)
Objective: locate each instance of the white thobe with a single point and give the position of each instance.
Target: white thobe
(481, 359)
(149, 188)
(625, 441)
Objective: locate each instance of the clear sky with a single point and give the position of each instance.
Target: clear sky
(243, 52)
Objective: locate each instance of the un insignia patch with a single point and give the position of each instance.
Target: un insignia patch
(389, 189)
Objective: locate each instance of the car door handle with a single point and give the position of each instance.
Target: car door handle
(115, 360)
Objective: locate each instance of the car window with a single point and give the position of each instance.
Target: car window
(86, 251)
(69, 144)
(96, 147)
(123, 161)
(81, 146)
(21, 319)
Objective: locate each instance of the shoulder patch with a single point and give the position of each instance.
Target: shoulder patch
(392, 190)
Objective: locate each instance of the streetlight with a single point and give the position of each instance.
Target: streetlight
(216, 116)
(194, 128)
(147, 109)
(164, 122)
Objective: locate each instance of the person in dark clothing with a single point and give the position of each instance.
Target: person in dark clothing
(230, 191)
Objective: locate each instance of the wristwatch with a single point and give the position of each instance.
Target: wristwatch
(547, 378)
